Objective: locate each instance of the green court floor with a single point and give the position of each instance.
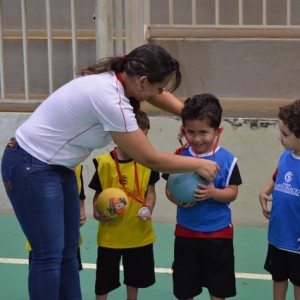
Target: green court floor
(253, 282)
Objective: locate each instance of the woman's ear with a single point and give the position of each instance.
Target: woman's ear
(143, 79)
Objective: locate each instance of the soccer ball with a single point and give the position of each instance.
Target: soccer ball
(112, 202)
(183, 185)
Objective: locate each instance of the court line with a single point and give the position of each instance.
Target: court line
(157, 270)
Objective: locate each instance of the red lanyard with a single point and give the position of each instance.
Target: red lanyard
(128, 193)
(178, 151)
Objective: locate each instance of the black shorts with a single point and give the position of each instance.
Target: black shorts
(283, 265)
(202, 263)
(138, 264)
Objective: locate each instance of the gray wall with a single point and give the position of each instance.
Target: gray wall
(238, 68)
(253, 141)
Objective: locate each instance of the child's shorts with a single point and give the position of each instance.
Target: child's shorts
(200, 262)
(138, 265)
(283, 265)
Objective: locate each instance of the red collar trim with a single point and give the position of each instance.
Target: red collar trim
(120, 78)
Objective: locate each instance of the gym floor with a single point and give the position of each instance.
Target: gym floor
(253, 282)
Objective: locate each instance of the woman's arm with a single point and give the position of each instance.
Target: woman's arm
(168, 102)
(138, 147)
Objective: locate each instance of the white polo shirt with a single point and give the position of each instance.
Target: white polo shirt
(76, 119)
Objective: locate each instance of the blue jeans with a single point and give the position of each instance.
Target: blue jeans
(45, 201)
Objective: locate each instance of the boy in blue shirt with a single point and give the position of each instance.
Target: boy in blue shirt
(203, 251)
(283, 258)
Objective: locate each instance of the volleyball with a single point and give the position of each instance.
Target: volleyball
(112, 202)
(183, 185)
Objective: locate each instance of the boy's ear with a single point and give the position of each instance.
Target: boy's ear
(182, 129)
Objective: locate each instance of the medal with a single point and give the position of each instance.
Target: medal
(144, 212)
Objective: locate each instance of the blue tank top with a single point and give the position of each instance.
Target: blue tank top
(284, 226)
(210, 215)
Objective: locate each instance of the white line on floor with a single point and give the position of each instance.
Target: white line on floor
(157, 270)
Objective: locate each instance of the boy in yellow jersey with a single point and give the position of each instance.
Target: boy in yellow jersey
(131, 236)
(79, 178)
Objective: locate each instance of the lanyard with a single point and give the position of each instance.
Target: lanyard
(136, 178)
(178, 151)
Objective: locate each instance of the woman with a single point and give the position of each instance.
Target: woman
(84, 114)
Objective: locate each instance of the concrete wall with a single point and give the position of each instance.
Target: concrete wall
(253, 141)
(238, 68)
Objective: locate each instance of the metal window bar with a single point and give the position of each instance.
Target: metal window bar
(104, 28)
(25, 48)
(118, 27)
(74, 38)
(194, 12)
(171, 12)
(49, 45)
(217, 12)
(264, 12)
(241, 12)
(288, 12)
(2, 66)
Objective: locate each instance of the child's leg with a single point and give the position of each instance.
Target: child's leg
(132, 292)
(280, 289)
(101, 297)
(216, 298)
(297, 292)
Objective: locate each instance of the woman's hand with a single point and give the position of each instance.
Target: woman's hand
(208, 170)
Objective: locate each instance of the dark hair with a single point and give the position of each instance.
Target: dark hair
(148, 60)
(203, 107)
(290, 115)
(142, 120)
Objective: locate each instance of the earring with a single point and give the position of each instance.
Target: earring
(140, 89)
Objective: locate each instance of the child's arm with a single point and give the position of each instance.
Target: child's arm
(82, 212)
(95, 210)
(98, 216)
(209, 191)
(264, 197)
(150, 199)
(178, 203)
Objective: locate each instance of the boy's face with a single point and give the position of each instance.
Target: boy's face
(288, 139)
(200, 135)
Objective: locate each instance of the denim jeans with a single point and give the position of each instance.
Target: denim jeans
(46, 204)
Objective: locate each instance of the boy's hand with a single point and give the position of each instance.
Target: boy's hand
(264, 199)
(144, 213)
(101, 216)
(205, 191)
(173, 200)
(82, 213)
